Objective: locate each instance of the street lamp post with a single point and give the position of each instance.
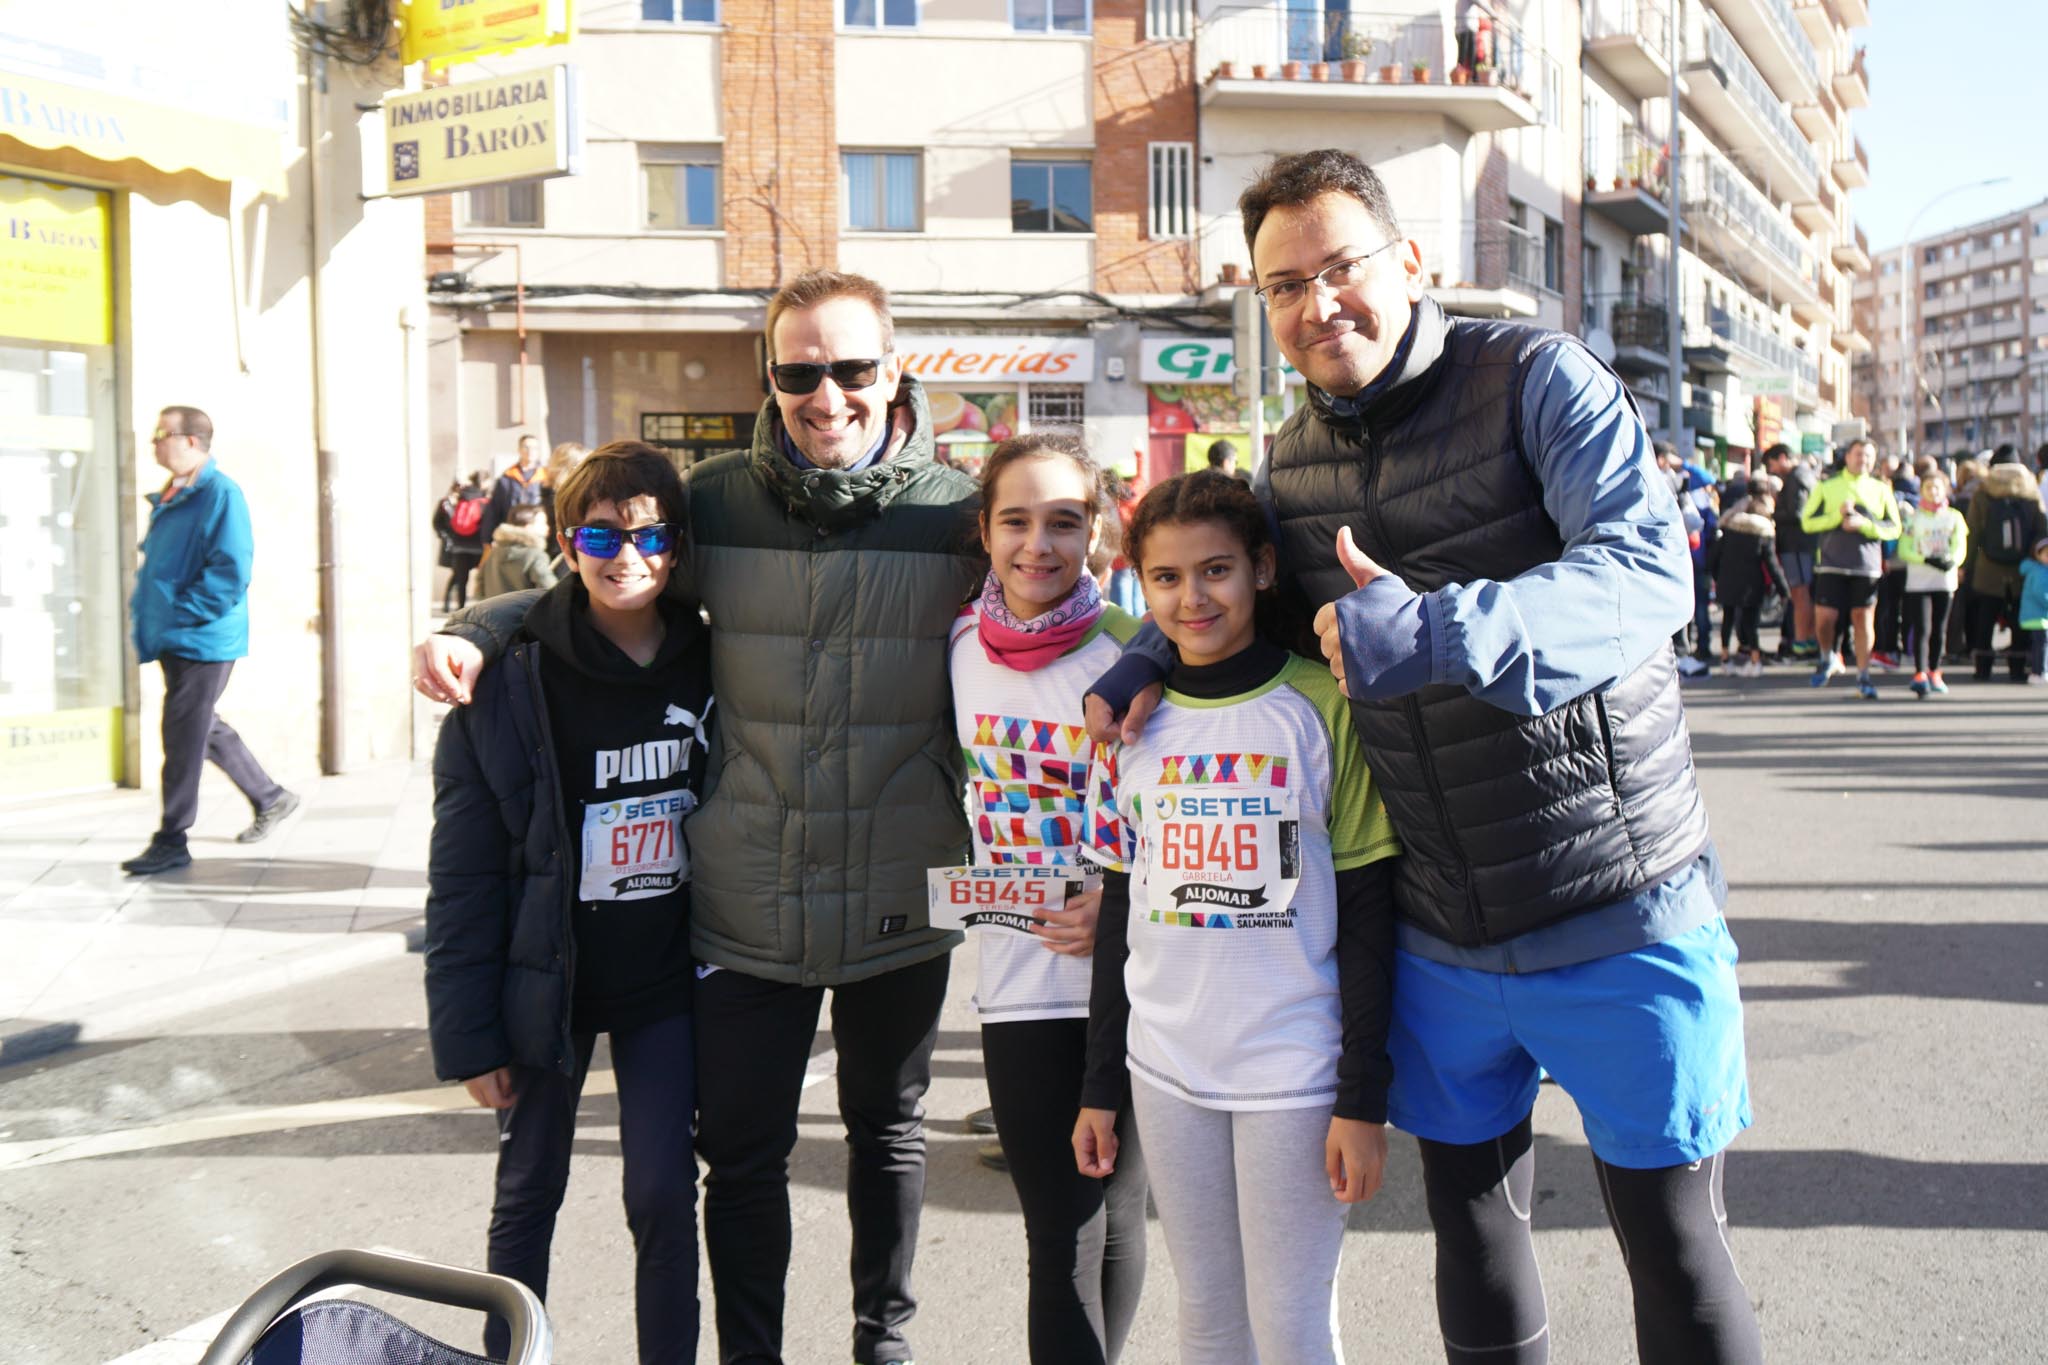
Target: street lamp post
(1909, 360)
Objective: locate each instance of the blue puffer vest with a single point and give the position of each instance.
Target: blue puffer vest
(1508, 822)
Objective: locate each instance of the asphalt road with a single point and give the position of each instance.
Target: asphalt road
(1890, 894)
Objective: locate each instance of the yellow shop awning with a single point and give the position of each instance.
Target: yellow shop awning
(114, 127)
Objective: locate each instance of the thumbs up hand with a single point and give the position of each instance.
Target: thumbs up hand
(1363, 571)
(1355, 561)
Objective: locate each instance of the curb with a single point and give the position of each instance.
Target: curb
(22, 1040)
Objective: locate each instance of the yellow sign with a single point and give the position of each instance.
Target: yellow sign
(519, 127)
(59, 751)
(441, 32)
(55, 265)
(113, 126)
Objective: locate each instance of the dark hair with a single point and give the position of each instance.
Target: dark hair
(191, 422)
(2041, 457)
(2008, 453)
(1206, 495)
(1300, 177)
(525, 514)
(1063, 442)
(1221, 452)
(1778, 451)
(617, 473)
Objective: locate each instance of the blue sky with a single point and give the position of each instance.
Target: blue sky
(1956, 95)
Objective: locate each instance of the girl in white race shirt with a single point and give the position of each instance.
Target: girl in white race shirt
(1022, 655)
(1243, 956)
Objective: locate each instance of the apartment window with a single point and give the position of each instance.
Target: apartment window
(1169, 18)
(1055, 405)
(1553, 255)
(516, 205)
(1052, 196)
(1049, 16)
(679, 11)
(1172, 189)
(681, 187)
(1552, 112)
(878, 13)
(2041, 228)
(881, 191)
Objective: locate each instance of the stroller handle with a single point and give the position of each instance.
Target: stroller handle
(416, 1279)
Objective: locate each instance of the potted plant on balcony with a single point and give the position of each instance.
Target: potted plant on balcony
(1482, 74)
(1226, 71)
(1319, 71)
(1258, 71)
(1356, 49)
(1290, 71)
(1390, 74)
(1461, 74)
(1419, 73)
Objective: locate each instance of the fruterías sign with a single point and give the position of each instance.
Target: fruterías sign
(954, 360)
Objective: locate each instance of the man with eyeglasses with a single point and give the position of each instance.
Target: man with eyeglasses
(832, 558)
(190, 613)
(1496, 566)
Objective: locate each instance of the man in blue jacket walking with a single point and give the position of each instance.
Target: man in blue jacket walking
(190, 612)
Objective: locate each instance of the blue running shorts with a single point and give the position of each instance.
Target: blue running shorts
(1647, 1043)
(1798, 569)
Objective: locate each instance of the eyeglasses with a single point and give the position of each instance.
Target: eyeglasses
(805, 378)
(605, 542)
(160, 435)
(1283, 296)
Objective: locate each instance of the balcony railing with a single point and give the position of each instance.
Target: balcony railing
(1619, 156)
(1780, 14)
(1649, 20)
(1394, 48)
(1757, 344)
(1484, 255)
(1708, 43)
(1714, 189)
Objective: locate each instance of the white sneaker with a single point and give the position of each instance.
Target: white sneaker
(1689, 667)
(2037, 679)
(1730, 669)
(1752, 669)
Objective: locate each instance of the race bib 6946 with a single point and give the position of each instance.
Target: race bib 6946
(1224, 857)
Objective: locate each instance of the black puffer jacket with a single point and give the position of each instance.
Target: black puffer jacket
(1508, 822)
(500, 948)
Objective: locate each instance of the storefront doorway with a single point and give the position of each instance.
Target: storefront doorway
(61, 548)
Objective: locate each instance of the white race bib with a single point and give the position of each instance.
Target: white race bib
(1228, 854)
(633, 847)
(1003, 895)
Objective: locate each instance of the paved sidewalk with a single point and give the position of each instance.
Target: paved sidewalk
(93, 952)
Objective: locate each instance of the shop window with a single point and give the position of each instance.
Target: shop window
(1052, 196)
(878, 13)
(681, 187)
(517, 205)
(1049, 16)
(1172, 189)
(679, 11)
(880, 191)
(1056, 405)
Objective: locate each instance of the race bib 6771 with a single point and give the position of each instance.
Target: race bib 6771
(633, 847)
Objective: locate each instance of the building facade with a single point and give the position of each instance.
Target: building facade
(1048, 188)
(1975, 339)
(1768, 248)
(185, 225)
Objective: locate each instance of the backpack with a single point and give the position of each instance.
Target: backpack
(467, 516)
(2005, 538)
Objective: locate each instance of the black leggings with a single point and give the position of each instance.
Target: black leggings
(1084, 1238)
(1740, 620)
(1927, 618)
(1690, 1304)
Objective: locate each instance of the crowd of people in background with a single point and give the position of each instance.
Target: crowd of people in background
(1869, 559)
(504, 527)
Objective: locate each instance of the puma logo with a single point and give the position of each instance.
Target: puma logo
(678, 716)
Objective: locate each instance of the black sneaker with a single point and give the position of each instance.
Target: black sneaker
(268, 819)
(157, 858)
(990, 1154)
(982, 1121)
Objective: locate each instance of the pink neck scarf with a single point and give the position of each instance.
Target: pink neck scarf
(1030, 645)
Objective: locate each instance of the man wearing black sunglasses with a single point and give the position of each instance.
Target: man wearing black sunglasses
(832, 558)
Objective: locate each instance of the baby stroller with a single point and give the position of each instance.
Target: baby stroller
(276, 1326)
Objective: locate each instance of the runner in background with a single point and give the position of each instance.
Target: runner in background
(1245, 950)
(1022, 654)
